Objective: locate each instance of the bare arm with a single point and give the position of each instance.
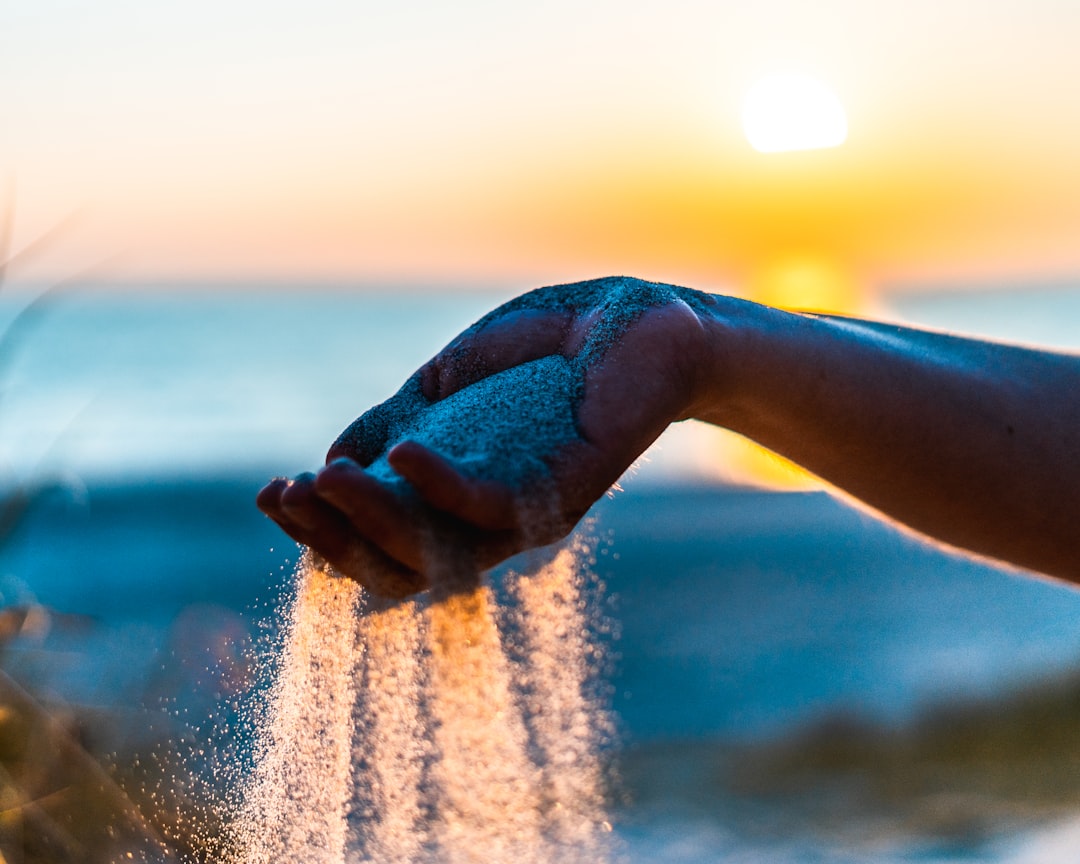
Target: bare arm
(972, 443)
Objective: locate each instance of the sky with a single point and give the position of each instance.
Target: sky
(486, 143)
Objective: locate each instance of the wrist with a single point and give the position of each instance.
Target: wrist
(739, 337)
(724, 323)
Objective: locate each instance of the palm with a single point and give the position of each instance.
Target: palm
(627, 385)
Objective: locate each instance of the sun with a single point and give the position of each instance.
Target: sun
(791, 111)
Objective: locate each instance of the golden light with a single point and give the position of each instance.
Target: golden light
(807, 283)
(790, 111)
(804, 282)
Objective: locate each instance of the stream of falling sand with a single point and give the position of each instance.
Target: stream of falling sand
(420, 732)
(390, 747)
(294, 809)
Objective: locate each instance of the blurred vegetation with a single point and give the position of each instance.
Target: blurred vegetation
(959, 776)
(89, 783)
(963, 772)
(57, 803)
(17, 494)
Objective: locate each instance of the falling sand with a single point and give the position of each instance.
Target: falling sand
(293, 807)
(454, 727)
(423, 730)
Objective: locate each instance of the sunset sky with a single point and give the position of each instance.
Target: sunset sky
(477, 142)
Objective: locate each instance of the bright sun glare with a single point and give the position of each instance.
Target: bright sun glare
(790, 111)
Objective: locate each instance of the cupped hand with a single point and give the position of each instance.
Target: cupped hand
(634, 352)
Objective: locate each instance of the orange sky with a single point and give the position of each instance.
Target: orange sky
(255, 141)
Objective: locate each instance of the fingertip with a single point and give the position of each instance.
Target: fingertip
(285, 521)
(338, 472)
(269, 498)
(374, 510)
(430, 383)
(485, 504)
(339, 463)
(296, 490)
(407, 455)
(351, 489)
(428, 472)
(337, 451)
(300, 504)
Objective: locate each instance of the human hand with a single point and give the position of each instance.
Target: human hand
(504, 440)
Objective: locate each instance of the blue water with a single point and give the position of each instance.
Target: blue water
(1041, 315)
(107, 384)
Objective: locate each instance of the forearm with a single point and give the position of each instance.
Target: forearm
(973, 443)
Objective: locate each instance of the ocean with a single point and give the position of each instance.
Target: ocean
(743, 619)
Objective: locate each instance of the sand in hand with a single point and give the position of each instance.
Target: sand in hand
(448, 727)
